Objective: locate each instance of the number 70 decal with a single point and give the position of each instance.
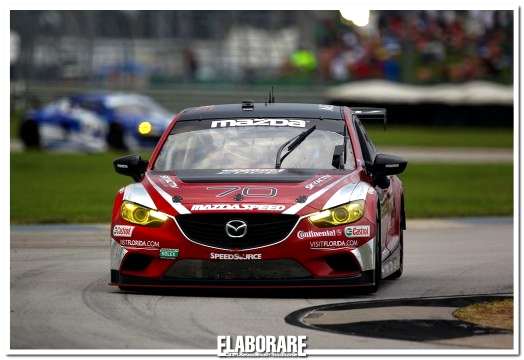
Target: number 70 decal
(250, 191)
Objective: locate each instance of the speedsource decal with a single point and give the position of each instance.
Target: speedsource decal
(250, 171)
(258, 122)
(316, 234)
(357, 231)
(226, 207)
(140, 243)
(235, 256)
(169, 253)
(332, 244)
(123, 230)
(261, 345)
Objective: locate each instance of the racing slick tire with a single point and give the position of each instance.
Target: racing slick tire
(398, 273)
(115, 137)
(29, 134)
(377, 272)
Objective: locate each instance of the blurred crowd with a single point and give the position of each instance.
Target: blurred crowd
(416, 47)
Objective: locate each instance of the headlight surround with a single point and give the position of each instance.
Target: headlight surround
(141, 215)
(340, 215)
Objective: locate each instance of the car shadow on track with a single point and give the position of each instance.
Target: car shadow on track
(270, 293)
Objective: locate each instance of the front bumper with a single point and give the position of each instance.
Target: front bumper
(285, 266)
(362, 279)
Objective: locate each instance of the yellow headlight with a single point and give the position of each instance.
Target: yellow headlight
(140, 215)
(340, 215)
(145, 128)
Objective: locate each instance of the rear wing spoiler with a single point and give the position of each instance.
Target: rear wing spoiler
(370, 113)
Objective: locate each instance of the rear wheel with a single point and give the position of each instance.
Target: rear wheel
(115, 137)
(29, 134)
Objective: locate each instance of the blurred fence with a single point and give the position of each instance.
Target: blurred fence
(174, 98)
(147, 48)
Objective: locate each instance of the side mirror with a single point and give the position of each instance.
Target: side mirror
(131, 165)
(338, 157)
(385, 165)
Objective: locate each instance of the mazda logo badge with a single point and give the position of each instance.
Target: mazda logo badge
(236, 228)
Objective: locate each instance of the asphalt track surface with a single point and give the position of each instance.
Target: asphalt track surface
(60, 298)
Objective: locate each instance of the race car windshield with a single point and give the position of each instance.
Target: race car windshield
(251, 144)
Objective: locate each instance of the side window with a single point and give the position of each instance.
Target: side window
(368, 148)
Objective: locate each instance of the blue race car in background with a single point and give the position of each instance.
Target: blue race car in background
(94, 122)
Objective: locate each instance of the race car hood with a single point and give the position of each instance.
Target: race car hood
(236, 190)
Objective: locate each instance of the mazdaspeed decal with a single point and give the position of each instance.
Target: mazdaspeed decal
(123, 230)
(235, 256)
(258, 122)
(250, 171)
(221, 207)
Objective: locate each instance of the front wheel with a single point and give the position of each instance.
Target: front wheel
(377, 272)
(398, 273)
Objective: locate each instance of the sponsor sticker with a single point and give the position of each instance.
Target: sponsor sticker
(332, 244)
(123, 230)
(318, 234)
(140, 243)
(221, 256)
(317, 181)
(326, 107)
(250, 171)
(167, 253)
(357, 231)
(227, 207)
(169, 182)
(258, 122)
(261, 346)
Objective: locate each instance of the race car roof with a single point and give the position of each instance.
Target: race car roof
(263, 110)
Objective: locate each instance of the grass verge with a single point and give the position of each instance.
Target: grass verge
(70, 188)
(495, 314)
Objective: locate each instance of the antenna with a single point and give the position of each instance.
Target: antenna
(271, 97)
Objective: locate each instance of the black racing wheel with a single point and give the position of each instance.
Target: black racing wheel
(30, 134)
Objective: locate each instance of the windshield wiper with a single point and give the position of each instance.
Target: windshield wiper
(292, 145)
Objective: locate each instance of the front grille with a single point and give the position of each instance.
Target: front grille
(262, 229)
(236, 270)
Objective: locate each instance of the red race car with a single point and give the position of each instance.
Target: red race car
(262, 195)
